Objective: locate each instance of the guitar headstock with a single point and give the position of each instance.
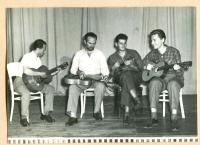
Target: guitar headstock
(186, 64)
(64, 65)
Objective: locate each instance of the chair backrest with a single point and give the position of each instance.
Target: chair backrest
(12, 69)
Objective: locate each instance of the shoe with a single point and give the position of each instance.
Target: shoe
(71, 121)
(97, 116)
(47, 118)
(151, 123)
(24, 122)
(175, 125)
(138, 104)
(126, 121)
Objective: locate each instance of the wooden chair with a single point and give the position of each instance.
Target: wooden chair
(164, 98)
(88, 93)
(12, 68)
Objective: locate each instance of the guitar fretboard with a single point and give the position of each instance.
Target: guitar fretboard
(189, 63)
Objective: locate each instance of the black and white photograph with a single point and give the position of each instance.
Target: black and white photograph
(101, 74)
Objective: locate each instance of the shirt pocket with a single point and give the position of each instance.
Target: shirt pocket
(95, 63)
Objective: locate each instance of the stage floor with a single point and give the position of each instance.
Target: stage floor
(110, 126)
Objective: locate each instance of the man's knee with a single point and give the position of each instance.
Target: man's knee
(52, 89)
(72, 87)
(155, 82)
(124, 77)
(173, 84)
(100, 85)
(26, 94)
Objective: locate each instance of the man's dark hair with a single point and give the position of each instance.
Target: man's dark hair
(121, 36)
(38, 44)
(90, 34)
(161, 34)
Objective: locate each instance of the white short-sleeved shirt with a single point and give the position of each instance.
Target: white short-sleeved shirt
(95, 64)
(29, 59)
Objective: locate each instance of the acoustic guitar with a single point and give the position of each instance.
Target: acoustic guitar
(36, 83)
(162, 69)
(122, 64)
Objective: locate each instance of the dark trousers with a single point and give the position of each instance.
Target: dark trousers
(128, 80)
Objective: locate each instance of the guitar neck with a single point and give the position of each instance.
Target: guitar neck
(165, 67)
(168, 66)
(94, 77)
(52, 70)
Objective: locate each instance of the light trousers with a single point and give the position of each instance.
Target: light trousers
(158, 85)
(76, 90)
(21, 89)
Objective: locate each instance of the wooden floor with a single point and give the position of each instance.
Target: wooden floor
(110, 126)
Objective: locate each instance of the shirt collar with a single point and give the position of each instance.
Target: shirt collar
(94, 51)
(167, 49)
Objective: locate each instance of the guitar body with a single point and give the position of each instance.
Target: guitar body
(36, 83)
(122, 64)
(48, 79)
(33, 83)
(147, 75)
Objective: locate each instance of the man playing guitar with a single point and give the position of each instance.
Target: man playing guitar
(87, 62)
(173, 81)
(32, 60)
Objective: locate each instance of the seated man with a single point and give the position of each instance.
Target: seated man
(125, 67)
(173, 81)
(87, 62)
(32, 60)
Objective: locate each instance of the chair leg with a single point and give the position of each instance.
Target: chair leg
(102, 110)
(164, 97)
(181, 105)
(82, 102)
(12, 108)
(42, 103)
(28, 116)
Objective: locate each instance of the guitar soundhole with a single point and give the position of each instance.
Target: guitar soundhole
(148, 73)
(39, 79)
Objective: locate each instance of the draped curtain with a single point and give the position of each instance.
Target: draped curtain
(63, 30)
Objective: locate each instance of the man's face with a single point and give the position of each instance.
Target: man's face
(90, 43)
(41, 51)
(156, 41)
(121, 44)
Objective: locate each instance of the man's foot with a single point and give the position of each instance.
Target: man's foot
(175, 125)
(47, 118)
(97, 116)
(151, 123)
(126, 120)
(138, 104)
(24, 122)
(71, 121)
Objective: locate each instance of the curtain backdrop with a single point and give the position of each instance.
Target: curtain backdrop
(64, 28)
